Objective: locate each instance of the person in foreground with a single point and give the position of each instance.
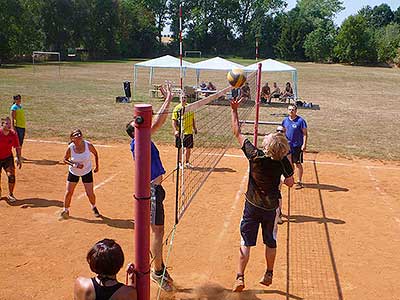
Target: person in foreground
(78, 158)
(267, 165)
(159, 274)
(105, 259)
(297, 135)
(9, 140)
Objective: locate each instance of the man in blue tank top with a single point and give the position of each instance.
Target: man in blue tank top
(157, 195)
(297, 135)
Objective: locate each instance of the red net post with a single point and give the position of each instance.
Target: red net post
(143, 114)
(257, 104)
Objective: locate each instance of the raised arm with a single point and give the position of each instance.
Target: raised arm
(161, 115)
(235, 121)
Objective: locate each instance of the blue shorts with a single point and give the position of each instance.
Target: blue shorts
(253, 216)
(157, 197)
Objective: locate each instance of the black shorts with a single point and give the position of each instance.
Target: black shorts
(87, 178)
(253, 216)
(7, 163)
(157, 197)
(297, 155)
(187, 141)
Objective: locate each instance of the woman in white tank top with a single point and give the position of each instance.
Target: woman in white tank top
(78, 158)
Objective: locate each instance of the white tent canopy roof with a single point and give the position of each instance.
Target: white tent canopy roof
(270, 65)
(166, 61)
(216, 63)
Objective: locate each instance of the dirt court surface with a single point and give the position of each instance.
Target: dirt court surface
(342, 241)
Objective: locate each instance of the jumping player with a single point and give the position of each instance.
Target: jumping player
(157, 195)
(9, 140)
(78, 158)
(262, 196)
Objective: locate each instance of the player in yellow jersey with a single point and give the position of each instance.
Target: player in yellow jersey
(188, 128)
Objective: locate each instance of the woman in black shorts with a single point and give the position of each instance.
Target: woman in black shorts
(79, 160)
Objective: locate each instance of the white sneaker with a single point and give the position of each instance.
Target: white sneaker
(189, 165)
(11, 198)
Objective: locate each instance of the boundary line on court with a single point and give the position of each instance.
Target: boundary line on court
(236, 156)
(105, 181)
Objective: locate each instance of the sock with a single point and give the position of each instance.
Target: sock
(92, 206)
(239, 276)
(66, 209)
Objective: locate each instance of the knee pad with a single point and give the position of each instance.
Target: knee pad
(11, 179)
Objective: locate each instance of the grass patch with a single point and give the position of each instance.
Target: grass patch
(358, 116)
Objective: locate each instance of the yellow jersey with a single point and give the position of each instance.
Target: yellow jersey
(187, 118)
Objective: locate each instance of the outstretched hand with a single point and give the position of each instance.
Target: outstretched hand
(166, 90)
(235, 102)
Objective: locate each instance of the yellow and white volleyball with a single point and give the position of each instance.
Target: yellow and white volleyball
(236, 77)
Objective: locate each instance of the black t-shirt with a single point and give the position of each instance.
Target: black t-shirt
(264, 178)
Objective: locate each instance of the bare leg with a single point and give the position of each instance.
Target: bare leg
(244, 255)
(157, 236)
(11, 185)
(68, 193)
(300, 172)
(90, 192)
(270, 254)
(187, 154)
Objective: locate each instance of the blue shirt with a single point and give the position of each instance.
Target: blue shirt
(157, 168)
(294, 130)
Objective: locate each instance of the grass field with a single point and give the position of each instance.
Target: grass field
(358, 113)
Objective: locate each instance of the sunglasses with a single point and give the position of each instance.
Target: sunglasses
(77, 134)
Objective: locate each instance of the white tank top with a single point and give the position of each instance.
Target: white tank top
(82, 158)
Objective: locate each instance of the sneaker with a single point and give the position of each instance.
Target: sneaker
(267, 278)
(189, 165)
(64, 214)
(238, 286)
(168, 277)
(299, 185)
(96, 212)
(11, 198)
(162, 282)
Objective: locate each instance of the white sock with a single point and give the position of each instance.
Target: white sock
(92, 206)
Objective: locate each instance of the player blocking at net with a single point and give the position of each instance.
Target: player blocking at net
(159, 273)
(263, 196)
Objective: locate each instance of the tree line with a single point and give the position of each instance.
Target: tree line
(109, 29)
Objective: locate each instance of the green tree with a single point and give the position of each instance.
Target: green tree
(381, 16)
(355, 41)
(319, 44)
(388, 42)
(294, 30)
(396, 15)
(318, 11)
(160, 10)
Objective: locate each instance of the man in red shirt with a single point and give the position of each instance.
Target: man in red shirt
(8, 140)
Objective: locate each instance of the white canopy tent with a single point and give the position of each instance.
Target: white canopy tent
(166, 61)
(270, 65)
(216, 63)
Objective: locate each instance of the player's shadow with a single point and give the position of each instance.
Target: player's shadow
(208, 169)
(307, 219)
(35, 202)
(325, 187)
(214, 291)
(116, 223)
(42, 162)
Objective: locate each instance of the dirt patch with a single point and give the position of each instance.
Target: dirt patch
(341, 243)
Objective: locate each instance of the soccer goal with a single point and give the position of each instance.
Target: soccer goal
(40, 57)
(192, 53)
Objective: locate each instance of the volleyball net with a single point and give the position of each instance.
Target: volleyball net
(211, 118)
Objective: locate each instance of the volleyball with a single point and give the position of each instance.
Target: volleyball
(236, 78)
